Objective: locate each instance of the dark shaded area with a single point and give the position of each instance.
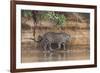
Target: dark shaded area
(54, 45)
(25, 27)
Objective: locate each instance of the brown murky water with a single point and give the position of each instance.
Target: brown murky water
(30, 54)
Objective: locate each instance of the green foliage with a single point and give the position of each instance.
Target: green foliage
(57, 18)
(26, 13)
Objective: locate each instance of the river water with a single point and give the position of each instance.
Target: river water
(30, 54)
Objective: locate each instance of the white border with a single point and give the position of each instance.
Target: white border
(20, 65)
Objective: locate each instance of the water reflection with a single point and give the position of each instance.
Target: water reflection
(72, 53)
(54, 56)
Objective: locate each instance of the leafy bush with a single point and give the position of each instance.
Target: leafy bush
(57, 18)
(26, 13)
